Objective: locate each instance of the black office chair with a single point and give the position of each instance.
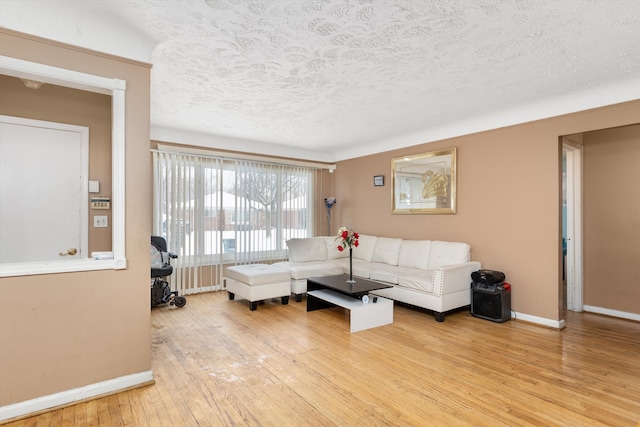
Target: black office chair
(161, 292)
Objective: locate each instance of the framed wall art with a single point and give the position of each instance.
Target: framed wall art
(424, 183)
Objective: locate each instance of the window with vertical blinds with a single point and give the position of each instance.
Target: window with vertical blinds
(216, 211)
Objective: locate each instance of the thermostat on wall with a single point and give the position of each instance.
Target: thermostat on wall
(94, 186)
(100, 203)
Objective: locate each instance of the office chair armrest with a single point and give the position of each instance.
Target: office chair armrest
(172, 255)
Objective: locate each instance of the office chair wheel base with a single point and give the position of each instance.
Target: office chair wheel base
(180, 301)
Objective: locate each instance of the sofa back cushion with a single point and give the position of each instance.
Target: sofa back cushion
(447, 253)
(332, 248)
(307, 249)
(414, 254)
(386, 250)
(365, 249)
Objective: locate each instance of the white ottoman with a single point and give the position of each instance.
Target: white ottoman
(257, 282)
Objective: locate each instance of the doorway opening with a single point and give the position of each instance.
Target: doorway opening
(572, 256)
(43, 223)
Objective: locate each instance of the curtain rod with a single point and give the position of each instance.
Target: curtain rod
(162, 148)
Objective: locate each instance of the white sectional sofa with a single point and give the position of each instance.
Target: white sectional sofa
(435, 275)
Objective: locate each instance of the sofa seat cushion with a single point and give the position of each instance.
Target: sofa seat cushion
(360, 268)
(304, 270)
(418, 279)
(307, 249)
(384, 273)
(448, 253)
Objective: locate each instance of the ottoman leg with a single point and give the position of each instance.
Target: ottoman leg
(253, 305)
(285, 300)
(231, 295)
(298, 297)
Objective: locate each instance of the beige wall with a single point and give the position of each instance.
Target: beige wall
(64, 105)
(508, 204)
(611, 174)
(68, 330)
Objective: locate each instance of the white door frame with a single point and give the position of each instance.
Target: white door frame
(572, 152)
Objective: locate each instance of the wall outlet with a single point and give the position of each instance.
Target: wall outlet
(100, 221)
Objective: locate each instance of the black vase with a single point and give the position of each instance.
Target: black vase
(351, 266)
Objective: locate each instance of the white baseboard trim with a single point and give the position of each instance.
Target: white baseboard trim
(556, 324)
(40, 404)
(613, 313)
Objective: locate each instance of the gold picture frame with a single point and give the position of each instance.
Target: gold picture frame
(424, 183)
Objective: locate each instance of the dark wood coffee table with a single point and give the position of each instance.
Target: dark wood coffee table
(365, 313)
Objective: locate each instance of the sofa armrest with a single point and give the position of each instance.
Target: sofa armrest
(453, 278)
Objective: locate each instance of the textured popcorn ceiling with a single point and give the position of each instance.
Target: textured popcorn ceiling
(333, 79)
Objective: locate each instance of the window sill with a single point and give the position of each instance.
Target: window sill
(51, 267)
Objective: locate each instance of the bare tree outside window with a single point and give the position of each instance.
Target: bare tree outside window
(269, 187)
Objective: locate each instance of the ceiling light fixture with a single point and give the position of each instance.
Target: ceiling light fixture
(32, 84)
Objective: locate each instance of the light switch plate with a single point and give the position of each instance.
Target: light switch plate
(100, 221)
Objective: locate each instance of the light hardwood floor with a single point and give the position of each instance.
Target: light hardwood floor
(218, 363)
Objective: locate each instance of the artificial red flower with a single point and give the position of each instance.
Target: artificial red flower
(349, 238)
